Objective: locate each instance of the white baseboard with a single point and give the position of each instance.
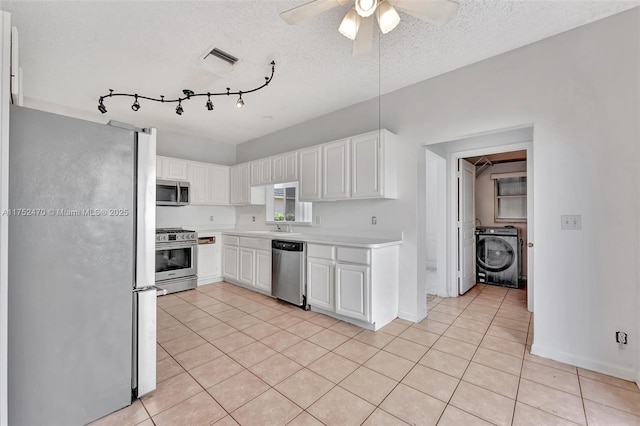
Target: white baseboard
(413, 316)
(209, 280)
(589, 364)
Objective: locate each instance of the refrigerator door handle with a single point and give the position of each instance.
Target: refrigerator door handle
(146, 209)
(145, 344)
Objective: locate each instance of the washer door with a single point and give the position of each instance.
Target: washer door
(494, 254)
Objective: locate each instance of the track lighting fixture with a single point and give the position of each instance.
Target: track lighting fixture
(188, 94)
(136, 105)
(209, 103)
(101, 107)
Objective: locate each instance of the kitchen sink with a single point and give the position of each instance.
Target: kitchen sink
(275, 233)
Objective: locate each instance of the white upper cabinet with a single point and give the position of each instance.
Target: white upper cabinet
(209, 183)
(199, 176)
(310, 176)
(159, 171)
(284, 167)
(336, 170)
(373, 165)
(174, 168)
(240, 184)
(219, 184)
(261, 172)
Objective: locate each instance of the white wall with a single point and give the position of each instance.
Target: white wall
(196, 217)
(187, 147)
(580, 90)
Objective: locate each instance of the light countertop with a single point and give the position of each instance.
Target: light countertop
(346, 240)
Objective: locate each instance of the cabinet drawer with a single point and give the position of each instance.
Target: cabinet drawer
(354, 255)
(230, 240)
(255, 243)
(320, 251)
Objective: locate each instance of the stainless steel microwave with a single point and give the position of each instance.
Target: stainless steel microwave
(172, 193)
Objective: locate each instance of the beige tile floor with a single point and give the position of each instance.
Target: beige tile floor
(229, 356)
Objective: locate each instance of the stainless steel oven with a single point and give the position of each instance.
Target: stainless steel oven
(176, 260)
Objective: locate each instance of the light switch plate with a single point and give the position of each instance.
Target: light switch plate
(571, 222)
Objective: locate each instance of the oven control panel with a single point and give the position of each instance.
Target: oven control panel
(168, 236)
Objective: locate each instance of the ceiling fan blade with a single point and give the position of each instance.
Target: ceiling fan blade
(309, 10)
(437, 12)
(363, 44)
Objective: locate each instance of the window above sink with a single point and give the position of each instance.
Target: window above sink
(283, 205)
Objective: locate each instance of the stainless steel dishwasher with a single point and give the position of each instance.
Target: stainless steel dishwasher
(288, 272)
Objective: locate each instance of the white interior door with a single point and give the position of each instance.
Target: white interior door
(466, 226)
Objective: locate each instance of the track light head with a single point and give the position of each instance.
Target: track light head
(101, 107)
(240, 102)
(136, 105)
(209, 103)
(179, 109)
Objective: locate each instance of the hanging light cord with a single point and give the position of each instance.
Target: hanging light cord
(188, 94)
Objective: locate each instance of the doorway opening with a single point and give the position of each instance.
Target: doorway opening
(492, 189)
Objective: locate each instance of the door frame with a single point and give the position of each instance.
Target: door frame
(452, 234)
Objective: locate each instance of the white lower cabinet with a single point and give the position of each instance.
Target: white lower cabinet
(320, 274)
(230, 262)
(352, 291)
(247, 267)
(252, 268)
(263, 270)
(355, 284)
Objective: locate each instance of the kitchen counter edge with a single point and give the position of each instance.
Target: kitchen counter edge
(343, 240)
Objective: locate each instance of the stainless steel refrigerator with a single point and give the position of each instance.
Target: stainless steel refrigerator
(82, 306)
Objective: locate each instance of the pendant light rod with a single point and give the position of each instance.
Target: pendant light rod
(188, 94)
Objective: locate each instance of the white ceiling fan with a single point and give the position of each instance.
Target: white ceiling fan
(357, 24)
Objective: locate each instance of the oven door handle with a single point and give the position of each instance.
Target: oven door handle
(175, 245)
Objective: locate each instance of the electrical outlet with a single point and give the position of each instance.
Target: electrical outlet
(374, 220)
(210, 218)
(571, 222)
(253, 218)
(621, 337)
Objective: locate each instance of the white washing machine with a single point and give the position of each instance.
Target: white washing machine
(498, 256)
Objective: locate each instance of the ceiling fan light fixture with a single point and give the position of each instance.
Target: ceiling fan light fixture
(388, 17)
(366, 8)
(350, 24)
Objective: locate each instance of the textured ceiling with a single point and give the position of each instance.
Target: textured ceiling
(73, 52)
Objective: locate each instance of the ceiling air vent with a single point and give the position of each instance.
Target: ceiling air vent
(222, 55)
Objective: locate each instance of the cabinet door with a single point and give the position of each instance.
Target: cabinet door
(174, 168)
(245, 185)
(366, 167)
(208, 260)
(230, 262)
(240, 188)
(219, 185)
(199, 176)
(256, 173)
(159, 170)
(310, 174)
(277, 169)
(352, 291)
(335, 170)
(247, 268)
(265, 171)
(320, 283)
(263, 270)
(290, 167)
